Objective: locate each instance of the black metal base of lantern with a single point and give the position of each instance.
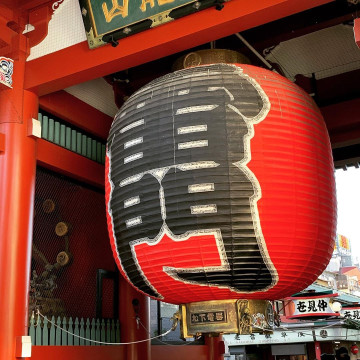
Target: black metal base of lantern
(241, 317)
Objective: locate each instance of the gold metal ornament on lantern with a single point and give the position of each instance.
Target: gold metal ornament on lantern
(226, 316)
(210, 56)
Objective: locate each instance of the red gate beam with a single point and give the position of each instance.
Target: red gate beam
(56, 71)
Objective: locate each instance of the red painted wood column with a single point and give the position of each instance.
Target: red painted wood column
(17, 186)
(215, 347)
(357, 31)
(317, 350)
(133, 304)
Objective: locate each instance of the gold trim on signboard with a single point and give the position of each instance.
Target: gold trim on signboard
(241, 317)
(161, 18)
(163, 15)
(209, 56)
(92, 19)
(94, 41)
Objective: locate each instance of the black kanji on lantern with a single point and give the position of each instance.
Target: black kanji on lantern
(177, 152)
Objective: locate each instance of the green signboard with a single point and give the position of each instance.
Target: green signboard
(107, 21)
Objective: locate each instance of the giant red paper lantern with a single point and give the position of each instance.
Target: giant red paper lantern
(219, 184)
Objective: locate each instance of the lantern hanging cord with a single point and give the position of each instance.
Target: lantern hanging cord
(255, 52)
(101, 342)
(175, 319)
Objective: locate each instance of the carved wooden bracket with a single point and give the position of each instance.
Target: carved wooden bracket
(39, 18)
(37, 15)
(7, 33)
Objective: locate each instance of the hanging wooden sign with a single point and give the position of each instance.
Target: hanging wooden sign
(107, 21)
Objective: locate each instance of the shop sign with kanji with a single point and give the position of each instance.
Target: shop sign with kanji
(107, 21)
(208, 317)
(317, 306)
(295, 336)
(351, 313)
(276, 337)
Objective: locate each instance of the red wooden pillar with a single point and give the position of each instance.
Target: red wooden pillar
(17, 185)
(216, 347)
(133, 304)
(317, 350)
(357, 31)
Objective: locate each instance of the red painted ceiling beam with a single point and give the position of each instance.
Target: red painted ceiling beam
(343, 121)
(25, 4)
(332, 89)
(33, 4)
(69, 108)
(56, 71)
(68, 163)
(8, 35)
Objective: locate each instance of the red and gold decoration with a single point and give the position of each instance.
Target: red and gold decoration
(220, 185)
(111, 20)
(47, 267)
(227, 316)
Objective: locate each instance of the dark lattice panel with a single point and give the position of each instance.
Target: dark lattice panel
(70, 246)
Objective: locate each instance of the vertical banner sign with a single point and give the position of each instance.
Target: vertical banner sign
(6, 71)
(107, 21)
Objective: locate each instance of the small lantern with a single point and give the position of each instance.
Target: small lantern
(354, 349)
(220, 185)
